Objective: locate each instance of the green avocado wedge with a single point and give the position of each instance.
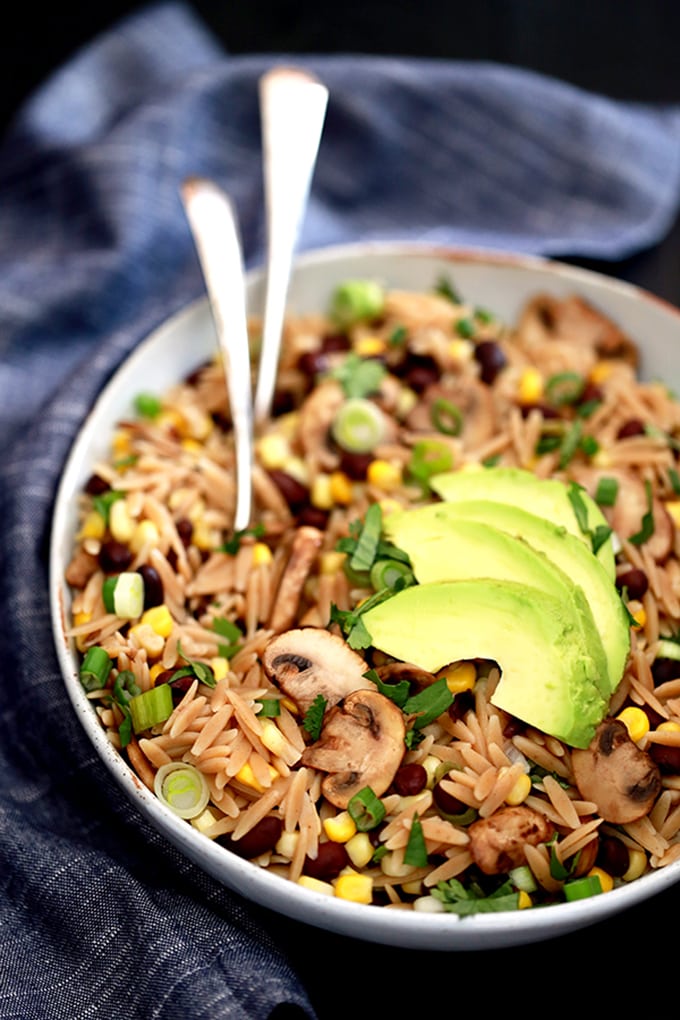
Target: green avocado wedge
(546, 672)
(546, 497)
(442, 549)
(415, 531)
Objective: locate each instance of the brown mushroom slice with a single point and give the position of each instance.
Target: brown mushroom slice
(616, 774)
(395, 672)
(310, 661)
(497, 842)
(472, 399)
(548, 318)
(627, 513)
(361, 744)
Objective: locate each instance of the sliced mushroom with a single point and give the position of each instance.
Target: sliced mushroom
(394, 672)
(548, 318)
(361, 744)
(472, 399)
(497, 842)
(631, 505)
(616, 774)
(306, 544)
(316, 416)
(311, 661)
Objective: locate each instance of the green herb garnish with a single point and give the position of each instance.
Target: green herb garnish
(233, 544)
(359, 377)
(313, 718)
(415, 853)
(647, 525)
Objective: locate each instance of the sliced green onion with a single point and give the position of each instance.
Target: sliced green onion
(429, 457)
(415, 853)
(582, 888)
(564, 388)
(95, 668)
(446, 417)
(607, 491)
(147, 405)
(674, 479)
(366, 809)
(369, 537)
(182, 788)
(123, 594)
(570, 443)
(590, 445)
(358, 426)
(523, 879)
(466, 328)
(356, 300)
(386, 573)
(151, 707)
(668, 649)
(271, 708)
(647, 525)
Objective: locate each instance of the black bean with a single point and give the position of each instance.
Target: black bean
(114, 557)
(262, 838)
(419, 371)
(185, 530)
(633, 427)
(491, 360)
(153, 585)
(96, 485)
(312, 517)
(635, 582)
(665, 757)
(313, 363)
(446, 802)
(613, 856)
(328, 863)
(355, 465)
(293, 491)
(664, 670)
(333, 342)
(410, 779)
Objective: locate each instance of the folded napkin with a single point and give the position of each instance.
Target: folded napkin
(100, 917)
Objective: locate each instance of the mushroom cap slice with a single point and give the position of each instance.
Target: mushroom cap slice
(309, 661)
(361, 744)
(616, 774)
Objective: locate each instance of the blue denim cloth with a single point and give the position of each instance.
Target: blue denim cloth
(99, 917)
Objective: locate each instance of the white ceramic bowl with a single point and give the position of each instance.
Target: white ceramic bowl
(501, 283)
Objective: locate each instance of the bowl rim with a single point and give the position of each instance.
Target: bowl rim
(434, 931)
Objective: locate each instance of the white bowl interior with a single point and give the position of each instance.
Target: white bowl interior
(500, 283)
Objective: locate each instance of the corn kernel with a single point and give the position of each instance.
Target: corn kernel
(354, 887)
(94, 526)
(156, 671)
(637, 865)
(524, 900)
(413, 888)
(121, 524)
(460, 350)
(145, 533)
(360, 849)
(246, 776)
(287, 844)
(147, 638)
(205, 821)
(606, 880)
(316, 885)
(369, 346)
(406, 401)
(262, 554)
(220, 666)
(636, 722)
(639, 615)
(171, 420)
(121, 443)
(384, 475)
(272, 737)
(530, 387)
(669, 726)
(204, 538)
(601, 459)
(290, 706)
(321, 492)
(342, 491)
(673, 508)
(601, 371)
(79, 618)
(191, 445)
(159, 618)
(520, 791)
(461, 676)
(340, 827)
(331, 562)
(273, 450)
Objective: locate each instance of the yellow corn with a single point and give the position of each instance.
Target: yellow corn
(530, 387)
(460, 350)
(262, 554)
(384, 475)
(205, 821)
(673, 507)
(637, 865)
(354, 887)
(156, 671)
(170, 420)
(636, 722)
(297, 468)
(340, 827)
(601, 371)
(246, 776)
(204, 538)
(360, 849)
(147, 638)
(524, 900)
(316, 885)
(273, 451)
(145, 533)
(121, 443)
(461, 676)
(321, 492)
(406, 401)
(520, 791)
(287, 844)
(158, 618)
(669, 726)
(191, 445)
(220, 666)
(606, 880)
(639, 614)
(369, 346)
(94, 526)
(341, 488)
(331, 562)
(290, 706)
(272, 737)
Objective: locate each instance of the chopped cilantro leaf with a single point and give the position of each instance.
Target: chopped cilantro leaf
(313, 719)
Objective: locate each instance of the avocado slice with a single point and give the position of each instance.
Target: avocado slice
(546, 672)
(413, 531)
(547, 497)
